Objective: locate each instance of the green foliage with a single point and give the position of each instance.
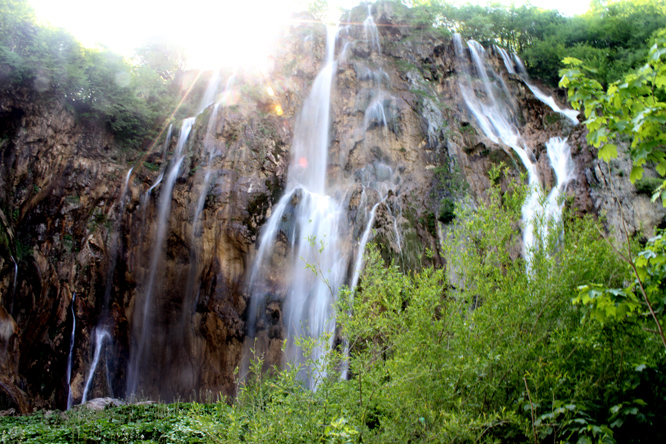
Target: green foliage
(480, 352)
(643, 301)
(610, 37)
(647, 185)
(96, 83)
(633, 107)
(151, 166)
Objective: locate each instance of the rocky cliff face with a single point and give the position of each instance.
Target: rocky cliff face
(74, 222)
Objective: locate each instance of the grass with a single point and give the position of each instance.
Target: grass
(178, 422)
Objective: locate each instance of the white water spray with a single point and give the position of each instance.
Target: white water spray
(101, 335)
(70, 398)
(358, 266)
(371, 32)
(570, 114)
(310, 220)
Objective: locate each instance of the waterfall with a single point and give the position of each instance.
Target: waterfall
(559, 154)
(101, 335)
(167, 140)
(141, 323)
(490, 105)
(209, 96)
(570, 114)
(375, 114)
(103, 321)
(70, 399)
(358, 266)
(371, 32)
(310, 220)
(508, 64)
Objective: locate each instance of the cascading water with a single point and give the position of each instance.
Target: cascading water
(559, 154)
(358, 266)
(104, 322)
(167, 140)
(371, 32)
(490, 105)
(307, 217)
(70, 398)
(140, 344)
(101, 335)
(570, 114)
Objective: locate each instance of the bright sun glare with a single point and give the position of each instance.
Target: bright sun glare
(215, 33)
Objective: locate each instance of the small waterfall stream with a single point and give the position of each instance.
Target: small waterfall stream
(490, 103)
(15, 279)
(371, 32)
(104, 323)
(101, 335)
(70, 398)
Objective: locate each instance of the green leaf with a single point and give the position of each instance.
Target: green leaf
(608, 152)
(636, 173)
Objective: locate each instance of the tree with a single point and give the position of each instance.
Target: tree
(634, 109)
(163, 57)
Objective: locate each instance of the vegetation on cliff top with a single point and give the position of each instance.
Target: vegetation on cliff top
(610, 37)
(131, 99)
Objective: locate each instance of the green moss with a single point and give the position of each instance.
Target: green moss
(647, 185)
(552, 118)
(467, 129)
(73, 199)
(446, 211)
(151, 166)
(429, 221)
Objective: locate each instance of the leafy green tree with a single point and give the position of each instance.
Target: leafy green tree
(97, 84)
(632, 109)
(165, 58)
